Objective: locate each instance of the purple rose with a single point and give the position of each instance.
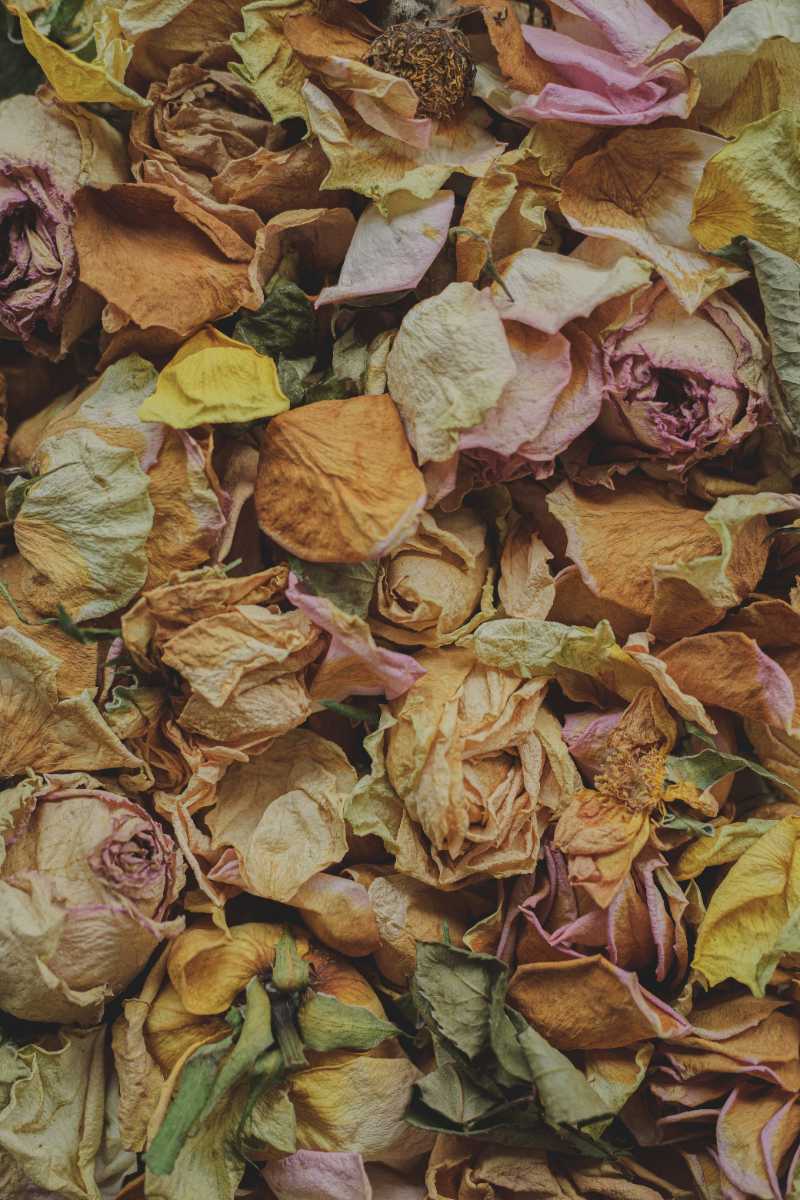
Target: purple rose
(682, 387)
(39, 262)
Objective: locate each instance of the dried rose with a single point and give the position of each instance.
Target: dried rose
(430, 586)
(46, 152)
(202, 121)
(681, 387)
(88, 882)
(343, 1098)
(461, 766)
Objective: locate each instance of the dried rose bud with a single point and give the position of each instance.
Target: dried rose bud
(435, 61)
(87, 886)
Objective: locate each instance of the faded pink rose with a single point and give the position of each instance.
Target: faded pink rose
(40, 262)
(681, 387)
(87, 887)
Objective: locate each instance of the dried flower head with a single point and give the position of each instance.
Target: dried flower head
(434, 59)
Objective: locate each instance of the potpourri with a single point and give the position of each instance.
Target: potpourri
(400, 600)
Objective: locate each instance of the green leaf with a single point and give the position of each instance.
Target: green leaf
(778, 278)
(505, 1028)
(292, 376)
(454, 989)
(567, 1099)
(330, 387)
(681, 824)
(326, 1023)
(351, 711)
(709, 766)
(290, 972)
(348, 585)
(455, 1097)
(285, 323)
(272, 1121)
(188, 1105)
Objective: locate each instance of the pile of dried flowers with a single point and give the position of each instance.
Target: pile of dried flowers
(400, 600)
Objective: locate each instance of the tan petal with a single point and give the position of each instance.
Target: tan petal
(607, 1006)
(283, 813)
(616, 538)
(125, 236)
(640, 188)
(77, 663)
(44, 732)
(272, 181)
(731, 671)
(338, 912)
(321, 490)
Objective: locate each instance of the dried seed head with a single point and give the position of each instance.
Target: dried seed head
(435, 61)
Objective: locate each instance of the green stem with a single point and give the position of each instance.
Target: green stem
(286, 1034)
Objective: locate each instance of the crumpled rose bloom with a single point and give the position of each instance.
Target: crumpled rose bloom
(88, 883)
(46, 152)
(430, 588)
(241, 664)
(462, 765)
(40, 270)
(681, 388)
(343, 1100)
(202, 121)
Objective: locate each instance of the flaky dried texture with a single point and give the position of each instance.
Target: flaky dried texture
(462, 768)
(375, 164)
(279, 819)
(639, 188)
(459, 1167)
(322, 492)
(728, 1084)
(436, 62)
(46, 732)
(89, 883)
(688, 566)
(62, 1088)
(645, 928)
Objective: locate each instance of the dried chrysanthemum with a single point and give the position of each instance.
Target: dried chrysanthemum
(434, 59)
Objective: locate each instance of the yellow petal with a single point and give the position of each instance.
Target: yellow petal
(215, 379)
(748, 66)
(357, 1103)
(79, 82)
(752, 187)
(752, 916)
(208, 968)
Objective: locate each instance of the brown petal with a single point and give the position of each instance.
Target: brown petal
(731, 671)
(336, 480)
(159, 259)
